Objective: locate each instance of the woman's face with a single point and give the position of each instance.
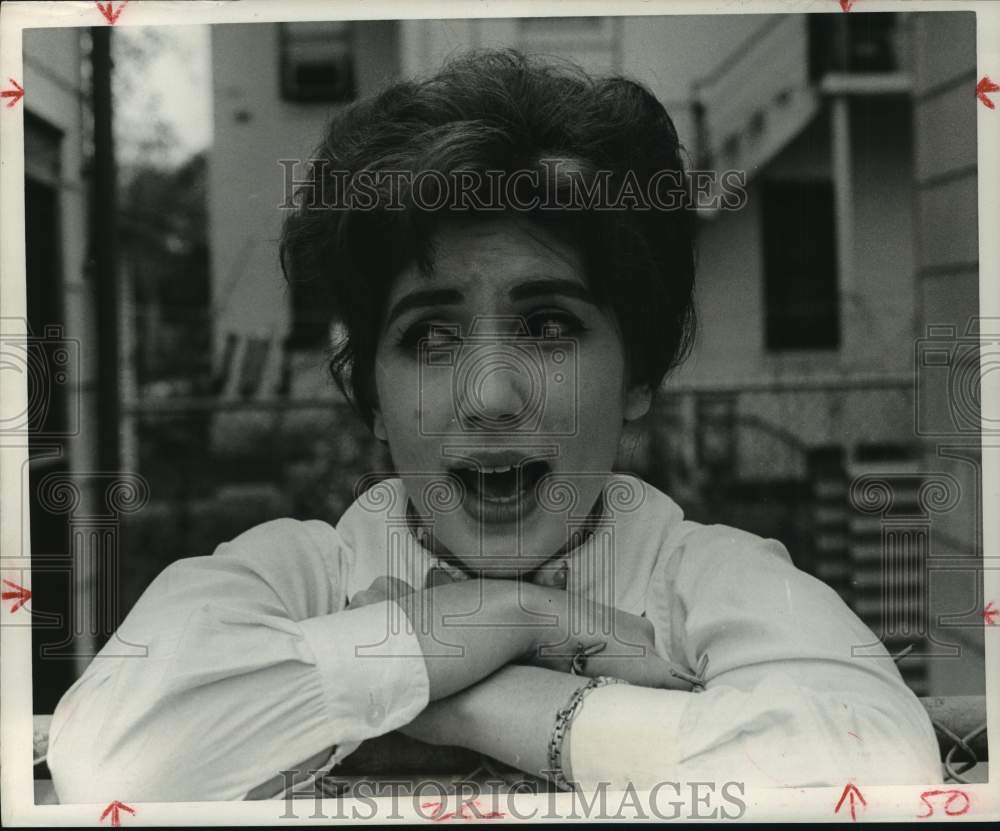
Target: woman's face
(497, 374)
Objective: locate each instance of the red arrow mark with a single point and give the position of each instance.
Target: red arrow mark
(110, 12)
(846, 5)
(850, 792)
(989, 613)
(984, 86)
(13, 94)
(20, 593)
(114, 809)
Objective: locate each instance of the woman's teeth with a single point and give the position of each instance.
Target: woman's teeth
(502, 483)
(500, 493)
(499, 484)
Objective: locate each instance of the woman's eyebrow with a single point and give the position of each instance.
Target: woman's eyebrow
(535, 288)
(422, 298)
(522, 291)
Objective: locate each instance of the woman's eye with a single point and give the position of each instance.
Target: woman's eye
(437, 333)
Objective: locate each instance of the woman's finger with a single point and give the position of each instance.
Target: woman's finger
(649, 670)
(654, 672)
(664, 676)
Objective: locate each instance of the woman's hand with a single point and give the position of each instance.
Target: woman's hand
(617, 643)
(570, 621)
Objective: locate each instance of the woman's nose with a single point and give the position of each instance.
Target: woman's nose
(494, 388)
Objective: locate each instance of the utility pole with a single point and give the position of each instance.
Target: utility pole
(104, 250)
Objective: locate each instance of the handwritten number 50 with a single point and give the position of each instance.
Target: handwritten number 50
(950, 807)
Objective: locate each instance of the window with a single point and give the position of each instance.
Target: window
(862, 43)
(317, 61)
(800, 266)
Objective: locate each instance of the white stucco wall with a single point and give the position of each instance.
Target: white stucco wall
(254, 128)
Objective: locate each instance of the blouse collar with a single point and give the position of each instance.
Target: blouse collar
(612, 559)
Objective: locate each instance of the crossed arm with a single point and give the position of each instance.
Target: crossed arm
(253, 667)
(799, 716)
(799, 691)
(479, 697)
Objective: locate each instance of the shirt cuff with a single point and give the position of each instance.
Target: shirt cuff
(373, 670)
(625, 734)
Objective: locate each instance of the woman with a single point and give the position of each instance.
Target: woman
(510, 258)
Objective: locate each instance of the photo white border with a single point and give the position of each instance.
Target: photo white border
(16, 781)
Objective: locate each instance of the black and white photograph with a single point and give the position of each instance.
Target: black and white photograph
(489, 413)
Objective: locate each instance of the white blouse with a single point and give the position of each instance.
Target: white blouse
(252, 665)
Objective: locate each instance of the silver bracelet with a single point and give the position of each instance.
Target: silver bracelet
(564, 718)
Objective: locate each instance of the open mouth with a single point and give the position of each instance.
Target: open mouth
(501, 483)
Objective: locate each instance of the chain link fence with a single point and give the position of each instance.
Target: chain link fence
(960, 724)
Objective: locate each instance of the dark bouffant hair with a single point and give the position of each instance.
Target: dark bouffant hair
(497, 111)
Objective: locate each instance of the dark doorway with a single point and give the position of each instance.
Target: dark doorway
(48, 408)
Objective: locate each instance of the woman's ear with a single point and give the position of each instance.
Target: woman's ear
(378, 426)
(638, 400)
